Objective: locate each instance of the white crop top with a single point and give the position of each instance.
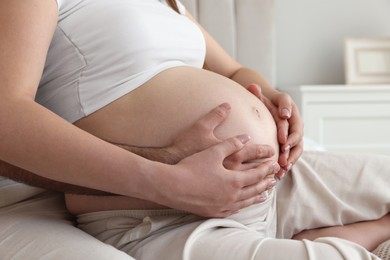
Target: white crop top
(102, 50)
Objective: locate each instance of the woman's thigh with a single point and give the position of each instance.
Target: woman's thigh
(40, 228)
(230, 243)
(327, 189)
(176, 239)
(175, 235)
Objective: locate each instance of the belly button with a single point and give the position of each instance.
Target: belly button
(257, 112)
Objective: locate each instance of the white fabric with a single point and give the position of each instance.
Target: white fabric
(99, 53)
(12, 192)
(41, 228)
(323, 189)
(59, 3)
(73, 2)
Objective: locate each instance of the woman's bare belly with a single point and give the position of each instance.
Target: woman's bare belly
(153, 115)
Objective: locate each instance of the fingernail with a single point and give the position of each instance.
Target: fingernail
(287, 148)
(226, 106)
(276, 167)
(271, 184)
(281, 175)
(261, 198)
(244, 138)
(289, 166)
(286, 112)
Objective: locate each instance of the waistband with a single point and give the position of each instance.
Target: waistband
(140, 214)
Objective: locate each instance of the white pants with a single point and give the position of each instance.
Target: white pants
(41, 228)
(323, 189)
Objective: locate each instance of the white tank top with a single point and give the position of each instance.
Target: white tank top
(102, 50)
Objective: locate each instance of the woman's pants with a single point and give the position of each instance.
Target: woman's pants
(34, 224)
(322, 189)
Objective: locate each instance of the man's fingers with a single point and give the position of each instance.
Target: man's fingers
(231, 145)
(250, 152)
(256, 189)
(256, 175)
(259, 198)
(254, 194)
(249, 184)
(215, 117)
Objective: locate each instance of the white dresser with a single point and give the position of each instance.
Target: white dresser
(346, 118)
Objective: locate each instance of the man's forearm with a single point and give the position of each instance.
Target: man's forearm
(21, 175)
(187, 143)
(159, 154)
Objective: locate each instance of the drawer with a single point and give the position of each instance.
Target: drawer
(346, 118)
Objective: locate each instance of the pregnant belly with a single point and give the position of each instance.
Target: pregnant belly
(153, 114)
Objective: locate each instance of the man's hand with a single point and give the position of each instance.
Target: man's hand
(199, 137)
(289, 124)
(201, 184)
(196, 138)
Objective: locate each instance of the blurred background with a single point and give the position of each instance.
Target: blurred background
(309, 37)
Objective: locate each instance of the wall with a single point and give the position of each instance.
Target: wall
(310, 36)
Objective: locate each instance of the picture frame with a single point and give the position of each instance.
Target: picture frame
(367, 60)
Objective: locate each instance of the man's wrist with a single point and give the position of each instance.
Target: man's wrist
(174, 154)
(167, 155)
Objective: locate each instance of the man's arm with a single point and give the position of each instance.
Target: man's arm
(198, 137)
(23, 176)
